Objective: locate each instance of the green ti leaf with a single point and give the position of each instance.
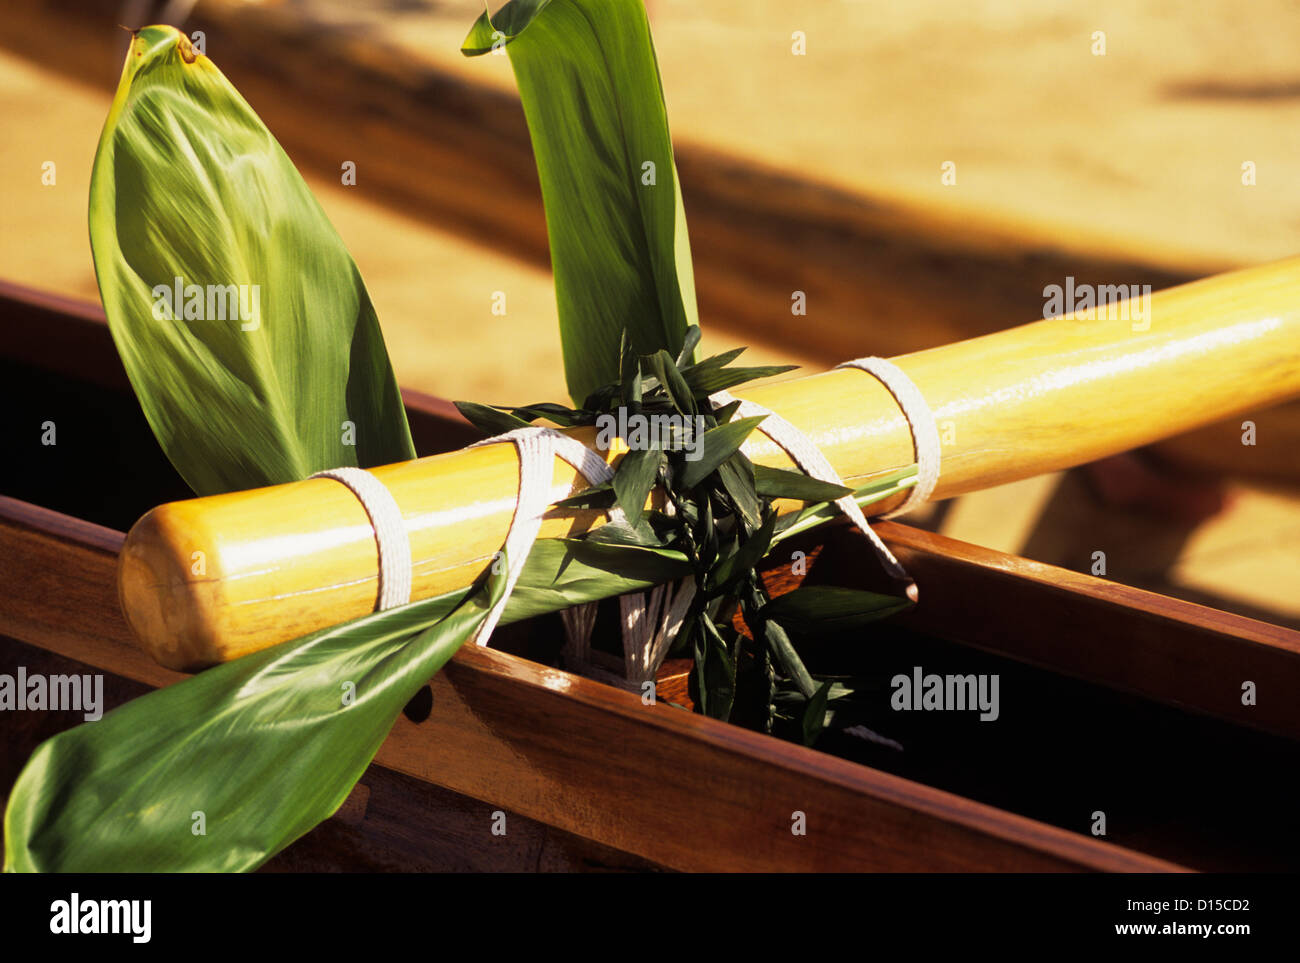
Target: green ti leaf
(268, 746)
(736, 566)
(264, 747)
(633, 479)
(827, 609)
(491, 421)
(707, 382)
(589, 82)
(270, 366)
(779, 483)
(872, 493)
(714, 670)
(786, 656)
(814, 714)
(665, 371)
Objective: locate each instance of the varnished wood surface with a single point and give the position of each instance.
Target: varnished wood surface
(1190, 648)
(49, 332)
(287, 560)
(683, 791)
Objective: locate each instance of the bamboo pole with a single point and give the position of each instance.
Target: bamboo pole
(210, 579)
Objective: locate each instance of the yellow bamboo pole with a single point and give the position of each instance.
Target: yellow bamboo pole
(210, 579)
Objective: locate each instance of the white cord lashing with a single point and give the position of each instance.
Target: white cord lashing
(920, 421)
(806, 454)
(537, 450)
(393, 543)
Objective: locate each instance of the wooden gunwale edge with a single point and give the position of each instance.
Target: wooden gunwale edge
(1133, 641)
(46, 300)
(822, 767)
(1040, 573)
(1103, 591)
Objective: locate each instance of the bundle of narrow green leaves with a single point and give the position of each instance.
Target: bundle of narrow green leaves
(719, 513)
(190, 192)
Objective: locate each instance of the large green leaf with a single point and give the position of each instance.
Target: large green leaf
(267, 746)
(220, 772)
(188, 183)
(589, 82)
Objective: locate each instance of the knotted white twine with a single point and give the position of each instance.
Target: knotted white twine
(649, 626)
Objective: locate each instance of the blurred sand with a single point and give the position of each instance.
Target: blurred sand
(1137, 152)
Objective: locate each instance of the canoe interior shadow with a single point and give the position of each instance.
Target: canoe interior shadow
(1170, 783)
(86, 450)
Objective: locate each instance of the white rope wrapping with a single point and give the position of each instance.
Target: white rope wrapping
(644, 643)
(809, 457)
(920, 421)
(537, 449)
(390, 533)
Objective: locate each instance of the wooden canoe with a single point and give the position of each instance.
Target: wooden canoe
(1119, 701)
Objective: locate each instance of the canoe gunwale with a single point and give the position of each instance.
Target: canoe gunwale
(585, 757)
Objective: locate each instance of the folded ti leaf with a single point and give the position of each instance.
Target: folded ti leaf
(221, 771)
(589, 82)
(241, 319)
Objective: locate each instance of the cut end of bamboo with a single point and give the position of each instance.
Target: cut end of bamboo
(163, 600)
